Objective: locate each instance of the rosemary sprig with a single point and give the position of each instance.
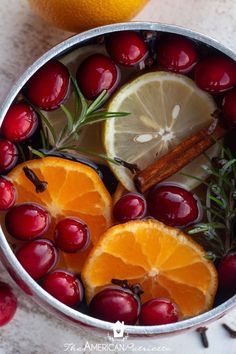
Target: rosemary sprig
(220, 205)
(84, 114)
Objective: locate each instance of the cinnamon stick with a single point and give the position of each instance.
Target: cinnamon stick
(178, 157)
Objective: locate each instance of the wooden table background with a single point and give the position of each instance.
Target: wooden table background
(24, 37)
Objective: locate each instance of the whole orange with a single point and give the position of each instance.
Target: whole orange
(80, 15)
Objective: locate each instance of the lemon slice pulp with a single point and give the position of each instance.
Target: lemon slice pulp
(164, 109)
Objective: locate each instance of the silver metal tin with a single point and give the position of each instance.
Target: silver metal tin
(15, 269)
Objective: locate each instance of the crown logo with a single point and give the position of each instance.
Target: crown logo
(118, 329)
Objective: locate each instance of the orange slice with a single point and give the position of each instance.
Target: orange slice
(73, 189)
(165, 261)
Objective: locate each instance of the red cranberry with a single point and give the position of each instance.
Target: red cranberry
(8, 304)
(49, 86)
(95, 74)
(71, 235)
(229, 106)
(114, 305)
(7, 194)
(27, 221)
(64, 286)
(127, 48)
(176, 53)
(157, 312)
(38, 257)
(8, 155)
(227, 273)
(215, 74)
(131, 206)
(19, 123)
(173, 205)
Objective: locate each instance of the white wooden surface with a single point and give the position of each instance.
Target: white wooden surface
(23, 37)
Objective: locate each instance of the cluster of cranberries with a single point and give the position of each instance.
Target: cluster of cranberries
(171, 204)
(46, 90)
(119, 304)
(215, 74)
(29, 222)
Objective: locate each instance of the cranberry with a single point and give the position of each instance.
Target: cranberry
(19, 123)
(127, 47)
(7, 194)
(8, 304)
(71, 235)
(64, 286)
(114, 305)
(227, 272)
(229, 106)
(131, 206)
(173, 205)
(27, 221)
(176, 53)
(215, 74)
(38, 257)
(49, 86)
(8, 155)
(157, 312)
(95, 74)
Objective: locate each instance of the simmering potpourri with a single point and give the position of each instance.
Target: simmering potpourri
(118, 177)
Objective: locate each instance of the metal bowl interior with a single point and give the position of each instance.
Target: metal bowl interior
(6, 253)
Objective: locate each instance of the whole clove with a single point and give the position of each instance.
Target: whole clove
(231, 331)
(40, 186)
(203, 335)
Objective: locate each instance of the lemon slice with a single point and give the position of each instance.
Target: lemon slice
(165, 108)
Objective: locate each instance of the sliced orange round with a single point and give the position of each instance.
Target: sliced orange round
(73, 189)
(165, 261)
